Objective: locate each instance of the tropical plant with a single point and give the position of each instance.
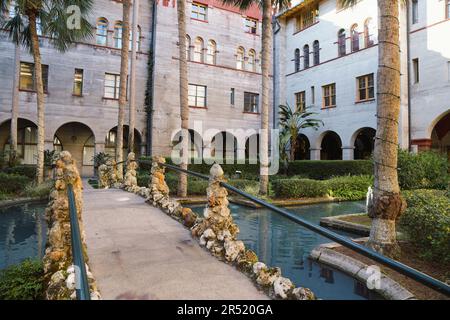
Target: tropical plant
(184, 102)
(52, 18)
(126, 4)
(101, 158)
(293, 121)
(50, 157)
(387, 204)
(24, 281)
(268, 7)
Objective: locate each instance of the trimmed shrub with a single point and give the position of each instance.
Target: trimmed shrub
(12, 183)
(425, 170)
(299, 188)
(24, 281)
(42, 190)
(350, 187)
(325, 169)
(427, 223)
(23, 170)
(143, 179)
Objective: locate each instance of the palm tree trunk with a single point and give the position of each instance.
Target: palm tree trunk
(387, 203)
(293, 147)
(132, 117)
(15, 106)
(40, 97)
(123, 85)
(184, 102)
(265, 66)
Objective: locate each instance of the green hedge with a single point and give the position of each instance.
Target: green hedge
(299, 188)
(23, 170)
(425, 170)
(24, 281)
(12, 183)
(325, 169)
(349, 187)
(427, 223)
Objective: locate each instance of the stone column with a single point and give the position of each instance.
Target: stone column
(58, 259)
(315, 154)
(348, 153)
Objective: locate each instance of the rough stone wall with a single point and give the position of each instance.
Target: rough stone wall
(58, 268)
(130, 180)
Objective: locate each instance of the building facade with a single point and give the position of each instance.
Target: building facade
(327, 60)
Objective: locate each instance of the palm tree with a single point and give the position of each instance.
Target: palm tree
(387, 204)
(134, 48)
(52, 18)
(268, 7)
(184, 102)
(292, 122)
(14, 106)
(126, 4)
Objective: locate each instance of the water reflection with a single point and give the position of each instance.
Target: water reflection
(22, 233)
(280, 242)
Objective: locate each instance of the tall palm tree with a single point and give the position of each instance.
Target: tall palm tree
(184, 102)
(387, 204)
(268, 7)
(134, 48)
(293, 121)
(126, 4)
(14, 106)
(52, 18)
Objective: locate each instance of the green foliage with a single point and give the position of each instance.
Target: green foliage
(325, 169)
(101, 158)
(425, 170)
(143, 179)
(50, 157)
(12, 183)
(349, 188)
(33, 190)
(427, 223)
(299, 188)
(24, 281)
(23, 170)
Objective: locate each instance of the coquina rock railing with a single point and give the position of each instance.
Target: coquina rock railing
(66, 272)
(214, 191)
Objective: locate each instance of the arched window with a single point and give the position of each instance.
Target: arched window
(341, 43)
(355, 37)
(118, 35)
(306, 56)
(240, 58)
(251, 65)
(138, 39)
(211, 53)
(188, 48)
(316, 49)
(297, 60)
(26, 145)
(89, 151)
(102, 32)
(57, 145)
(368, 36)
(198, 49)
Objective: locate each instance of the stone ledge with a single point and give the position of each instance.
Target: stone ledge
(390, 289)
(338, 224)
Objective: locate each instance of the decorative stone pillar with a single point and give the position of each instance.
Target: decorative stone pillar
(58, 269)
(348, 153)
(130, 181)
(315, 154)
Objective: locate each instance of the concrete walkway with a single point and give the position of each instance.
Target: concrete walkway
(137, 252)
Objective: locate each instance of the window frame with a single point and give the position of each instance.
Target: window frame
(195, 11)
(252, 29)
(316, 52)
(45, 72)
(307, 18)
(199, 53)
(416, 70)
(116, 86)
(211, 52)
(251, 61)
(342, 43)
(300, 101)
(102, 21)
(366, 88)
(118, 34)
(306, 60)
(75, 80)
(415, 12)
(240, 53)
(254, 101)
(196, 96)
(355, 41)
(331, 93)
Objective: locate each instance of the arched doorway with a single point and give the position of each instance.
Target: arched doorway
(440, 136)
(303, 146)
(110, 142)
(364, 143)
(252, 149)
(79, 140)
(195, 143)
(331, 147)
(26, 140)
(224, 147)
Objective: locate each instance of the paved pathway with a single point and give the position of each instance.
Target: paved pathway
(137, 252)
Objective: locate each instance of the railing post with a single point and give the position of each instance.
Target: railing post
(65, 236)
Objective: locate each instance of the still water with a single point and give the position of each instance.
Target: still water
(282, 243)
(23, 232)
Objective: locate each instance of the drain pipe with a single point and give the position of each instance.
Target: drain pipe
(408, 55)
(151, 85)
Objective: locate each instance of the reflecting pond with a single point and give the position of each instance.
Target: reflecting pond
(282, 243)
(23, 231)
